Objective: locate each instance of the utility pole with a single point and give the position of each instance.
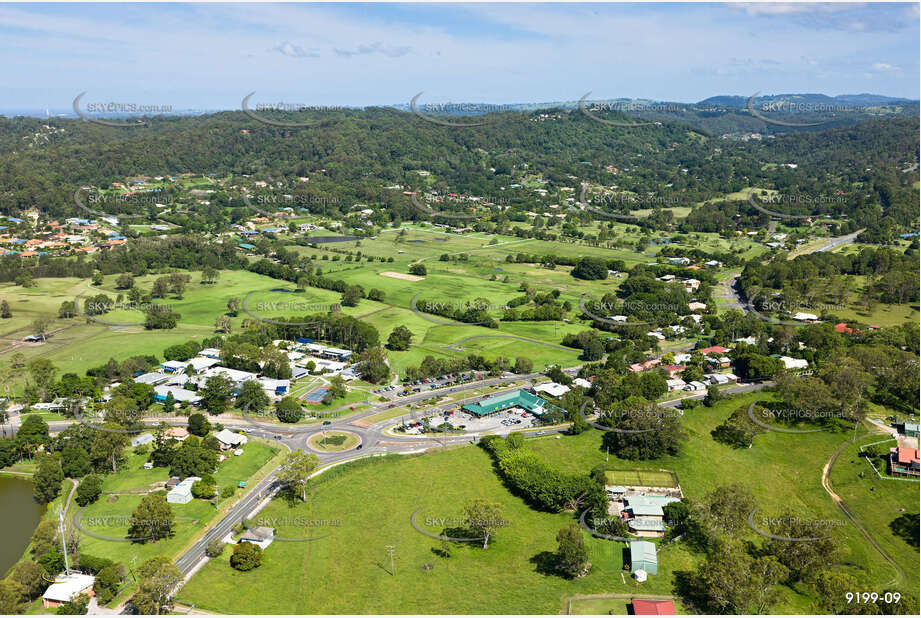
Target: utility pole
(390, 549)
(63, 541)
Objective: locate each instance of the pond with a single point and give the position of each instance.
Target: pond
(21, 515)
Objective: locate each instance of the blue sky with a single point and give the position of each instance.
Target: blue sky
(209, 56)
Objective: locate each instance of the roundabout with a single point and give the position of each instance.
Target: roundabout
(333, 441)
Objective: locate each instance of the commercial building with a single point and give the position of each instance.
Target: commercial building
(514, 399)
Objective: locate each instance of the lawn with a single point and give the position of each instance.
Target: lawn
(641, 478)
(333, 441)
(373, 501)
(110, 515)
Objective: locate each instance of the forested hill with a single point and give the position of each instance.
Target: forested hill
(43, 162)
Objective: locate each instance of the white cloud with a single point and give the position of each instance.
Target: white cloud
(290, 49)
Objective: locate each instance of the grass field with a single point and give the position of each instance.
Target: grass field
(122, 492)
(333, 441)
(374, 500)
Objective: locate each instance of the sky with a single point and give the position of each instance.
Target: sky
(210, 56)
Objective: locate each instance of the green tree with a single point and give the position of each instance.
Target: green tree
(373, 366)
(523, 365)
(295, 472)
(590, 268)
(12, 597)
(199, 424)
(108, 450)
(572, 554)
(32, 577)
(289, 410)
(216, 393)
(418, 269)
(46, 483)
(5, 309)
(157, 578)
(400, 338)
(252, 397)
(215, 548)
(246, 556)
(89, 490)
(483, 518)
(108, 581)
(75, 462)
(152, 519)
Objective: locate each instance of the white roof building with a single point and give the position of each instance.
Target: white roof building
(179, 394)
(66, 588)
(805, 317)
(234, 375)
(794, 363)
(210, 353)
(229, 438)
(552, 388)
(182, 493)
(582, 382)
(675, 384)
(144, 438)
(152, 378)
(200, 363)
(173, 365)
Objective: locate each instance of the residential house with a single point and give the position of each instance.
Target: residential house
(230, 440)
(905, 461)
(66, 588)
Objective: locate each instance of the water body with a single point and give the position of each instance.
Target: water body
(21, 515)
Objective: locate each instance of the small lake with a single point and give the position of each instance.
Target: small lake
(21, 514)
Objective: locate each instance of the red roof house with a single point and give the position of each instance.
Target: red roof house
(713, 349)
(843, 328)
(645, 607)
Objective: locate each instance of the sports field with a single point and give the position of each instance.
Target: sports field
(642, 478)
